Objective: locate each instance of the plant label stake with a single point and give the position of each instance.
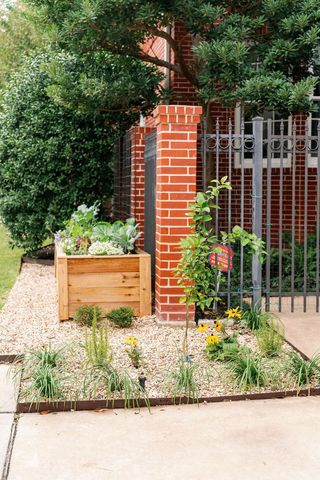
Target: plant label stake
(221, 258)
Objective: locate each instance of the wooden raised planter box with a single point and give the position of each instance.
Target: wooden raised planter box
(105, 281)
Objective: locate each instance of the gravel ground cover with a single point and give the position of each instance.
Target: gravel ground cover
(30, 320)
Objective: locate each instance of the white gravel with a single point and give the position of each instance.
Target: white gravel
(29, 319)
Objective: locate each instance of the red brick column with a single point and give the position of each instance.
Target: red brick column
(138, 135)
(176, 188)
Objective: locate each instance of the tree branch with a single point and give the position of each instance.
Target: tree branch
(175, 46)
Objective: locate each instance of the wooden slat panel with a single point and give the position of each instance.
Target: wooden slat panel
(106, 307)
(89, 295)
(102, 265)
(108, 279)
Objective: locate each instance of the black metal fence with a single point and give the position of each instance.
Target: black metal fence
(122, 178)
(150, 157)
(274, 169)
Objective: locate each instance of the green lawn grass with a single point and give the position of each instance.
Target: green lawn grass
(9, 265)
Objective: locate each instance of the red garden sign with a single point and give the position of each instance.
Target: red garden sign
(221, 257)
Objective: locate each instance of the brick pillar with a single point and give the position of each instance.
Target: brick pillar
(176, 188)
(138, 135)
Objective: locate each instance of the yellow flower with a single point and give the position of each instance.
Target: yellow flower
(132, 341)
(203, 327)
(218, 326)
(212, 339)
(233, 313)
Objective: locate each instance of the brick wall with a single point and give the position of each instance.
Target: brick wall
(176, 187)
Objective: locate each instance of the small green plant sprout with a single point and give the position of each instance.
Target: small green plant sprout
(270, 338)
(121, 317)
(97, 344)
(304, 371)
(134, 352)
(247, 369)
(254, 318)
(84, 315)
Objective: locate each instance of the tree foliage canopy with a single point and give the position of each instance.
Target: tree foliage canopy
(22, 34)
(262, 52)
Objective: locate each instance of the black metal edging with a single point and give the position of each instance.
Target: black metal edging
(7, 358)
(81, 405)
(37, 261)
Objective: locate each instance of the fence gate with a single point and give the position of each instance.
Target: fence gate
(150, 157)
(274, 168)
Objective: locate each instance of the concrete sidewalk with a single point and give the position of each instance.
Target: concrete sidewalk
(265, 440)
(8, 401)
(302, 330)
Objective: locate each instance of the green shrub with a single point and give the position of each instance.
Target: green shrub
(51, 158)
(247, 370)
(84, 315)
(121, 317)
(270, 339)
(304, 370)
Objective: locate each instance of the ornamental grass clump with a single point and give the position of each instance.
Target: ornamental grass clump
(270, 338)
(185, 383)
(85, 314)
(46, 381)
(247, 369)
(303, 370)
(121, 317)
(254, 318)
(42, 370)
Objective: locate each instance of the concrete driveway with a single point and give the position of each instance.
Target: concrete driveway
(274, 440)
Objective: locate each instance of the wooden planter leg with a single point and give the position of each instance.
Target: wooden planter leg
(145, 285)
(62, 279)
